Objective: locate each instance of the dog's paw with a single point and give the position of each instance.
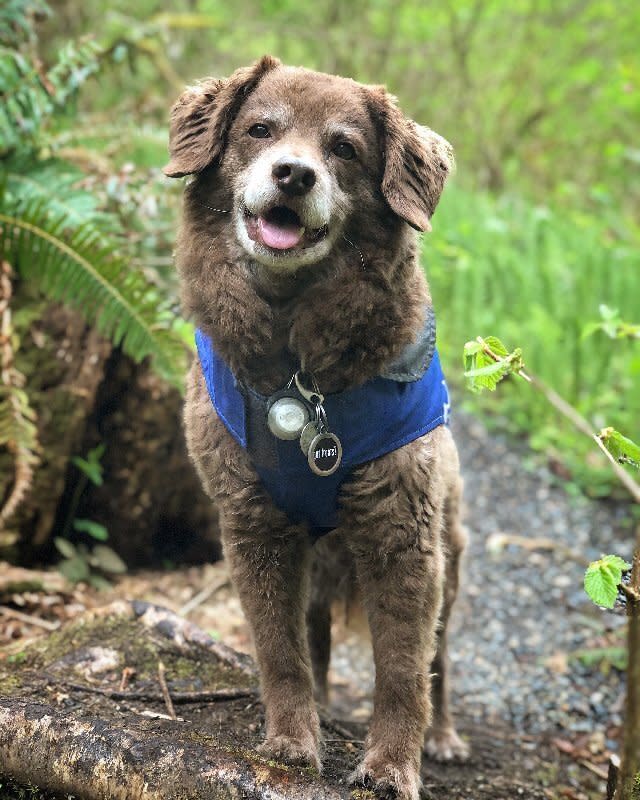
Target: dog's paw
(445, 745)
(291, 751)
(387, 781)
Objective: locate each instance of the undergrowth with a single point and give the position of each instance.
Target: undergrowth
(540, 275)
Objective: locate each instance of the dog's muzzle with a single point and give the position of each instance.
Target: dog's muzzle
(280, 228)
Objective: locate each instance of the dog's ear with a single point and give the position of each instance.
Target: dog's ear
(416, 162)
(202, 116)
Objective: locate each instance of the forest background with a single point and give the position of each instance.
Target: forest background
(536, 237)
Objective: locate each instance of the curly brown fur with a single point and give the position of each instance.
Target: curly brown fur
(343, 314)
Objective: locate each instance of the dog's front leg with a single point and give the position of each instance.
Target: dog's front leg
(271, 572)
(402, 606)
(400, 568)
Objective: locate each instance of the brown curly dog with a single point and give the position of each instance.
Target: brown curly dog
(298, 256)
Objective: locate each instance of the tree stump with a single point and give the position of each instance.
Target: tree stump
(134, 702)
(86, 393)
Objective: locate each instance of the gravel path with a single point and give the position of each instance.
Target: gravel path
(522, 615)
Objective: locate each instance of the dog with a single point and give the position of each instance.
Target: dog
(305, 411)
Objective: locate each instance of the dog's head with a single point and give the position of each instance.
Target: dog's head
(300, 157)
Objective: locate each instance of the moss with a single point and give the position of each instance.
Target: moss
(138, 647)
(9, 684)
(10, 790)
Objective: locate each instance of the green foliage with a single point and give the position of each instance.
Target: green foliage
(602, 578)
(94, 529)
(622, 449)
(79, 563)
(487, 361)
(612, 325)
(539, 96)
(535, 274)
(18, 429)
(29, 95)
(91, 466)
(603, 657)
(78, 264)
(56, 229)
(16, 19)
(52, 229)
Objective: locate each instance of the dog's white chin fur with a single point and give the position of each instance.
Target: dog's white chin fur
(282, 260)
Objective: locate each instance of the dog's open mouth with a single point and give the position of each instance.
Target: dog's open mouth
(281, 229)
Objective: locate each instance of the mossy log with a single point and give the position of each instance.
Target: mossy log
(82, 711)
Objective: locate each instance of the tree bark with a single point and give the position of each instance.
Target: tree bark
(62, 732)
(629, 775)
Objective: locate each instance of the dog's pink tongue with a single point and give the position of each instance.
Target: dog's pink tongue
(280, 237)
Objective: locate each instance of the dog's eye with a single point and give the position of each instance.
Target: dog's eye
(259, 132)
(344, 150)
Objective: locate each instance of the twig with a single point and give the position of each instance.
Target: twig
(345, 741)
(576, 419)
(28, 618)
(497, 541)
(632, 487)
(219, 695)
(599, 771)
(344, 733)
(127, 674)
(165, 691)
(202, 596)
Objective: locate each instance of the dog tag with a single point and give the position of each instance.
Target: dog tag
(309, 433)
(325, 453)
(286, 417)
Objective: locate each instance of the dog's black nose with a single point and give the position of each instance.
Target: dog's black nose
(293, 176)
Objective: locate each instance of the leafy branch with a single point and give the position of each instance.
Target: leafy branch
(487, 361)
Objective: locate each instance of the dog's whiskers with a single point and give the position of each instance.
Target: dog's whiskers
(357, 248)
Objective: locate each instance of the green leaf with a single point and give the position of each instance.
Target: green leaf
(64, 547)
(99, 582)
(612, 325)
(602, 578)
(487, 361)
(91, 470)
(107, 559)
(624, 450)
(94, 529)
(74, 569)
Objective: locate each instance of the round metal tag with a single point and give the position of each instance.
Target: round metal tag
(325, 454)
(287, 417)
(309, 433)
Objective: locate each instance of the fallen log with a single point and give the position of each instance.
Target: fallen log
(67, 727)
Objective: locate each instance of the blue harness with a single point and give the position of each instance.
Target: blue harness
(370, 420)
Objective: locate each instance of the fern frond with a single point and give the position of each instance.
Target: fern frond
(16, 19)
(78, 265)
(56, 182)
(18, 433)
(29, 94)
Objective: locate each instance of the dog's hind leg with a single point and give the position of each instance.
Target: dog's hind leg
(442, 742)
(332, 579)
(319, 627)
